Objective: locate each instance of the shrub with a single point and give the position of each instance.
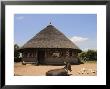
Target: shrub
(90, 55)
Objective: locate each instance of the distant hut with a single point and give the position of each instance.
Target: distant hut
(50, 46)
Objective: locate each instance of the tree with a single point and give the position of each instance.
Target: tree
(82, 55)
(16, 53)
(90, 55)
(16, 47)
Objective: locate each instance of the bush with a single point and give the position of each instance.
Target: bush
(90, 55)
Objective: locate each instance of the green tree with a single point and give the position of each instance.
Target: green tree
(16, 53)
(90, 55)
(82, 56)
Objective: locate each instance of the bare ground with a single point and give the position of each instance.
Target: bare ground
(86, 69)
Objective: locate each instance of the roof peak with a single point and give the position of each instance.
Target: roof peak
(50, 25)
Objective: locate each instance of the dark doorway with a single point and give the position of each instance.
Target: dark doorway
(41, 56)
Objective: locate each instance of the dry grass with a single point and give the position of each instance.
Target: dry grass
(87, 69)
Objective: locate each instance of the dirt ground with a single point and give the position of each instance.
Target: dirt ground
(86, 69)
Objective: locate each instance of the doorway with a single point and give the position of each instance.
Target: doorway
(41, 56)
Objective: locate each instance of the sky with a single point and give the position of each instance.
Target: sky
(79, 28)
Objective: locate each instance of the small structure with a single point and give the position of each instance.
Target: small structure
(50, 46)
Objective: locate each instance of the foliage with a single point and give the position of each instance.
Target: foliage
(16, 53)
(90, 55)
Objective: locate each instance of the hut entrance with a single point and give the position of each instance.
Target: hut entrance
(41, 56)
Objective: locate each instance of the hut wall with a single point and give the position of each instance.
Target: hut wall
(29, 59)
(49, 59)
(74, 60)
(60, 60)
(56, 61)
(29, 56)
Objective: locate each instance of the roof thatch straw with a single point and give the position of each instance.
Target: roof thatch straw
(50, 37)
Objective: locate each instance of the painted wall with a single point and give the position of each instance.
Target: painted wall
(50, 59)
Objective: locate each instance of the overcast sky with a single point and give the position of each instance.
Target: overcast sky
(79, 28)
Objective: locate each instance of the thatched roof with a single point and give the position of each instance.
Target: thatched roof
(50, 37)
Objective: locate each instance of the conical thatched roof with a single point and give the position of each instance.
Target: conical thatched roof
(50, 37)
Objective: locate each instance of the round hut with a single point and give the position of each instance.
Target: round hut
(50, 46)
